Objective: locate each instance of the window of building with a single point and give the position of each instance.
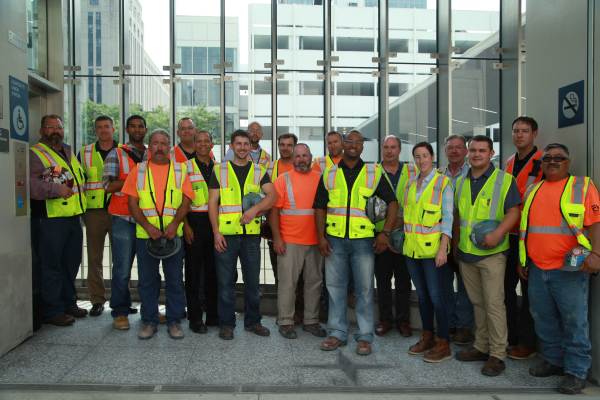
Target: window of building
(311, 43)
(262, 87)
(199, 60)
(355, 89)
(355, 44)
(311, 88)
(98, 39)
(264, 42)
(371, 3)
(427, 46)
(94, 2)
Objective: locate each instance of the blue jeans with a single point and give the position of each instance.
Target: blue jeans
(123, 253)
(458, 305)
(247, 248)
(358, 256)
(351, 288)
(558, 302)
(428, 282)
(57, 243)
(149, 285)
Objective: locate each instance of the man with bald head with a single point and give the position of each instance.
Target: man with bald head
(256, 154)
(389, 264)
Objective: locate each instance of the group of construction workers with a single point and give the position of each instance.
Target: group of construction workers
(467, 225)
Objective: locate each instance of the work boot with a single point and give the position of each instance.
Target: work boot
(61, 320)
(546, 369)
(175, 331)
(439, 352)
(471, 354)
(121, 323)
(147, 332)
(520, 352)
(462, 336)
(352, 299)
(77, 312)
(425, 343)
(493, 367)
(287, 331)
(571, 385)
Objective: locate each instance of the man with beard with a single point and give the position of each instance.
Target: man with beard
(295, 241)
(256, 154)
(56, 234)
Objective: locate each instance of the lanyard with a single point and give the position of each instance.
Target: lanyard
(160, 213)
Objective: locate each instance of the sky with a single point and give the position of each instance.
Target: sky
(156, 25)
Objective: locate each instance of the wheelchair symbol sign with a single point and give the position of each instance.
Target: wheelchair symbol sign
(570, 105)
(19, 120)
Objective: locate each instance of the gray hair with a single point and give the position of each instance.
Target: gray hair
(452, 137)
(203, 131)
(302, 144)
(335, 133)
(255, 122)
(391, 136)
(562, 147)
(159, 132)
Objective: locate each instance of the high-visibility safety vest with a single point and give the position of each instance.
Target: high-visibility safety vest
(272, 168)
(177, 155)
(572, 208)
(118, 202)
(423, 218)
(75, 204)
(337, 208)
(231, 192)
(263, 160)
(324, 162)
(293, 210)
(147, 194)
(489, 205)
(408, 172)
(93, 166)
(530, 174)
(199, 185)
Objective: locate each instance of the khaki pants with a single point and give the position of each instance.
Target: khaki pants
(484, 282)
(299, 259)
(98, 223)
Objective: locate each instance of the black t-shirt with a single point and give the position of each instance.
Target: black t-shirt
(520, 164)
(241, 173)
(190, 156)
(199, 221)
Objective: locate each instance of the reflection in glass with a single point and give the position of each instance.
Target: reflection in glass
(37, 38)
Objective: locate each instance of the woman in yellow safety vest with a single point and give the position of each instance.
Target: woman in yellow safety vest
(427, 214)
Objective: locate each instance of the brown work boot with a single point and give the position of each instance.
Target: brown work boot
(61, 320)
(425, 343)
(287, 331)
(462, 336)
(332, 343)
(121, 323)
(77, 312)
(382, 328)
(471, 354)
(493, 367)
(259, 330)
(439, 352)
(520, 352)
(352, 299)
(405, 330)
(363, 348)
(298, 318)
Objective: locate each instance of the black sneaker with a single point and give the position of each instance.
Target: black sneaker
(571, 385)
(546, 369)
(132, 310)
(198, 327)
(96, 310)
(226, 333)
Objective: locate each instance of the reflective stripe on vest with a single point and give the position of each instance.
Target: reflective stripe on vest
(293, 210)
(571, 222)
(272, 168)
(200, 202)
(408, 172)
(74, 205)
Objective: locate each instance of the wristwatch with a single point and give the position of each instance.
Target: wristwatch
(386, 233)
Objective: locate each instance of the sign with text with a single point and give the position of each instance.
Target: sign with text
(19, 109)
(571, 104)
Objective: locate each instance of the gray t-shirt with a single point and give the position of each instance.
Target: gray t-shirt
(512, 199)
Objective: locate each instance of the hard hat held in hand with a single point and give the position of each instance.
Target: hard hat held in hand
(58, 174)
(396, 240)
(376, 209)
(163, 247)
(574, 258)
(250, 200)
(482, 229)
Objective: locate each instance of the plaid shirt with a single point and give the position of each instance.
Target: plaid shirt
(112, 171)
(447, 204)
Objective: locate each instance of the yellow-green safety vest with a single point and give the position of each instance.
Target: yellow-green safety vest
(173, 197)
(75, 204)
(489, 205)
(272, 169)
(199, 185)
(572, 208)
(93, 166)
(324, 162)
(408, 172)
(231, 193)
(337, 208)
(423, 218)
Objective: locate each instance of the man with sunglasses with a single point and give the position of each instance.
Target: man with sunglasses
(563, 210)
(525, 165)
(347, 240)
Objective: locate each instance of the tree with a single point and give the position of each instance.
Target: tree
(155, 119)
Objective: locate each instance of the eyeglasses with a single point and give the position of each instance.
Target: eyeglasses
(58, 128)
(255, 130)
(558, 159)
(452, 148)
(187, 128)
(348, 141)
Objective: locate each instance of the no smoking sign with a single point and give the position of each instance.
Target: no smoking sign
(570, 104)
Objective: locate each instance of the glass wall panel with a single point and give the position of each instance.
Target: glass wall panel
(302, 26)
(37, 40)
(153, 104)
(255, 105)
(248, 30)
(473, 26)
(354, 34)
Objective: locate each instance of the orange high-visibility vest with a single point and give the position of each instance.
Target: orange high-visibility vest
(118, 202)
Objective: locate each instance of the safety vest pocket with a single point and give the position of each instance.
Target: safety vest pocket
(483, 209)
(252, 189)
(575, 212)
(427, 245)
(91, 174)
(176, 197)
(364, 194)
(432, 214)
(61, 207)
(334, 197)
(227, 196)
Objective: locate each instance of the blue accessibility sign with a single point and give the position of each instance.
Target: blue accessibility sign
(19, 109)
(570, 104)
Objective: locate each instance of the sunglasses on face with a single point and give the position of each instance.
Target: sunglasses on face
(557, 159)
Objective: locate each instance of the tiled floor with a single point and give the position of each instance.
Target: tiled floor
(92, 352)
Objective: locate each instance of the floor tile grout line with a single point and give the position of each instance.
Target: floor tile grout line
(76, 364)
